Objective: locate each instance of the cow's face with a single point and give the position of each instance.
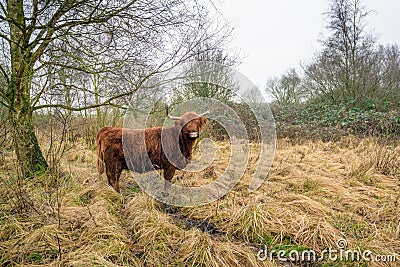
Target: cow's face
(191, 125)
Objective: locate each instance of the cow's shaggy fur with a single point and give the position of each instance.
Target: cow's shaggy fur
(168, 148)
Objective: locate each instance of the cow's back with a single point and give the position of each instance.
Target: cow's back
(143, 149)
(137, 150)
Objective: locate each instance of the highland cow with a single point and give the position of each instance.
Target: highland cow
(167, 148)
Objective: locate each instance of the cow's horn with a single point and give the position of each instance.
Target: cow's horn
(204, 113)
(208, 111)
(169, 116)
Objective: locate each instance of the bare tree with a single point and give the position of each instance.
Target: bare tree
(343, 69)
(57, 48)
(287, 89)
(388, 58)
(207, 75)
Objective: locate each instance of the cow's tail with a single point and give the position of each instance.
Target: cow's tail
(100, 163)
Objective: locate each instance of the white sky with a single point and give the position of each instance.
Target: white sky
(275, 35)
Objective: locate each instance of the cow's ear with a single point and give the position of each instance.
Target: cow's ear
(203, 122)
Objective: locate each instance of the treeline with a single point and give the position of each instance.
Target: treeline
(352, 85)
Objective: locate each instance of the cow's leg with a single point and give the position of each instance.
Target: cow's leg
(115, 183)
(113, 171)
(168, 175)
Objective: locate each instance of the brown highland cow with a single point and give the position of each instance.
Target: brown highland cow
(168, 148)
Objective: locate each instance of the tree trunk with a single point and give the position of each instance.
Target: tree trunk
(25, 143)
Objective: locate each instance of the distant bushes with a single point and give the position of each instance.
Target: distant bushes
(373, 117)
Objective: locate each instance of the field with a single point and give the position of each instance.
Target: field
(315, 194)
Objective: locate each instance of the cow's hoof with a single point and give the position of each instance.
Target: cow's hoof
(165, 207)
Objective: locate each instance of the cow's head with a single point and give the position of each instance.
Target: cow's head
(187, 127)
(190, 124)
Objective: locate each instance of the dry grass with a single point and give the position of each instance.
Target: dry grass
(314, 194)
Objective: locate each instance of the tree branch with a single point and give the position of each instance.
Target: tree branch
(108, 102)
(3, 71)
(49, 29)
(32, 24)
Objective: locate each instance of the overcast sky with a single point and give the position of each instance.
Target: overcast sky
(275, 35)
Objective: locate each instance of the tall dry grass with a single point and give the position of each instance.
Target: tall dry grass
(316, 193)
